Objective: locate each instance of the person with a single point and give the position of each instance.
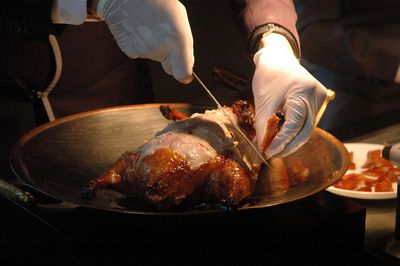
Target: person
(279, 81)
(353, 48)
(158, 30)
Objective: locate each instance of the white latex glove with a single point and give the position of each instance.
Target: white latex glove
(153, 29)
(68, 12)
(281, 83)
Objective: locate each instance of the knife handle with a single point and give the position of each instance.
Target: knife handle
(15, 194)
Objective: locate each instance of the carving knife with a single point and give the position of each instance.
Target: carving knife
(230, 120)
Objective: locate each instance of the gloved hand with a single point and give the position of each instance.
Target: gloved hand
(153, 29)
(281, 83)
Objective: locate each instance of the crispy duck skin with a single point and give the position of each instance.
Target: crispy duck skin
(194, 159)
(274, 124)
(172, 114)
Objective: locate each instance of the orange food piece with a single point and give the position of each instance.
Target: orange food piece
(384, 174)
(275, 180)
(375, 159)
(352, 164)
(274, 123)
(298, 173)
(349, 185)
(350, 181)
(383, 185)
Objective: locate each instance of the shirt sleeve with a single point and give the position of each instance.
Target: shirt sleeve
(72, 12)
(251, 15)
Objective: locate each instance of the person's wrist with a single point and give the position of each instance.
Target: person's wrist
(276, 48)
(269, 28)
(275, 40)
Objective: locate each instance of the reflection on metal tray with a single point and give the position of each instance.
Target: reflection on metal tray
(58, 158)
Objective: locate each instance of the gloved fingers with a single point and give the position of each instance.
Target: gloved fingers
(296, 118)
(298, 141)
(300, 115)
(104, 6)
(263, 113)
(179, 66)
(316, 96)
(154, 29)
(182, 70)
(266, 104)
(179, 60)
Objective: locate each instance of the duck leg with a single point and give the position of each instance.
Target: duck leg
(113, 177)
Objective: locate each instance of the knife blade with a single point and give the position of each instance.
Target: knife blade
(230, 120)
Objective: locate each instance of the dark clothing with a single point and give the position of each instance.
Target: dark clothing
(362, 37)
(352, 47)
(26, 18)
(95, 73)
(251, 14)
(350, 30)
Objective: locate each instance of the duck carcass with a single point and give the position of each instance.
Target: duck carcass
(197, 158)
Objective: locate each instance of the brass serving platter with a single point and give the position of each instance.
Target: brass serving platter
(58, 158)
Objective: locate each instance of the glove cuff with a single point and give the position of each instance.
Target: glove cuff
(260, 31)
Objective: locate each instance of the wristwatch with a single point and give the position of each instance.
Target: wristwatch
(260, 31)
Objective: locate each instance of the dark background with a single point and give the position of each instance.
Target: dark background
(217, 42)
(84, 237)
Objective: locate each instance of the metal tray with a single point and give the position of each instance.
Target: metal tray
(58, 158)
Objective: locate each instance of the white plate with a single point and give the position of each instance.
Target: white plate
(360, 151)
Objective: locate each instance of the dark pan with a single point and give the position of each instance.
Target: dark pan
(59, 158)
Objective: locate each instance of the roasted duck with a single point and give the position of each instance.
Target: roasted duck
(195, 159)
